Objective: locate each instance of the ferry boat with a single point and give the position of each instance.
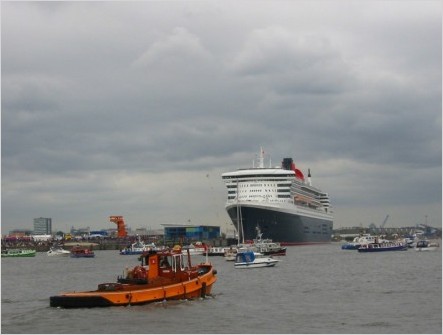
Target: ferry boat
(18, 253)
(162, 275)
(361, 240)
(382, 246)
(279, 200)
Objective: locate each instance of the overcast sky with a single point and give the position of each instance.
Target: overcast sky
(137, 108)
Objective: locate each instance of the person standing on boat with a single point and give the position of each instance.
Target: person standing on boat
(164, 262)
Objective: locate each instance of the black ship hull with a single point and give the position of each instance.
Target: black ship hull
(280, 226)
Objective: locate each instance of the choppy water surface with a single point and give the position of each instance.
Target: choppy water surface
(315, 289)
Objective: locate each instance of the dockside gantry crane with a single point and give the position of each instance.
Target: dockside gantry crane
(376, 230)
(121, 228)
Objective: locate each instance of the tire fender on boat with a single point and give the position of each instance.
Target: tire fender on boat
(129, 297)
(203, 290)
(184, 290)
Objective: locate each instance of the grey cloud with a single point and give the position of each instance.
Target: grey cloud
(180, 46)
(140, 100)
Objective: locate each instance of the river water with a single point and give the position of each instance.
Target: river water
(314, 289)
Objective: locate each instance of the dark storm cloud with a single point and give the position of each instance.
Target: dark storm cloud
(138, 107)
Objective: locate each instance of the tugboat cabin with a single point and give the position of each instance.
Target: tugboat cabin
(168, 265)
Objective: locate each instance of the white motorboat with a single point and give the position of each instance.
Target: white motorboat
(217, 251)
(250, 259)
(198, 248)
(230, 254)
(426, 245)
(137, 248)
(58, 251)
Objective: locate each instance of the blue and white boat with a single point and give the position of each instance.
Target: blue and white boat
(383, 246)
(359, 241)
(249, 259)
(136, 248)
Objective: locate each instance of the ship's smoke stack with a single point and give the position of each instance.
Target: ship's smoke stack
(286, 164)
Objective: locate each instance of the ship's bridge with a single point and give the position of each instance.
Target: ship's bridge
(258, 173)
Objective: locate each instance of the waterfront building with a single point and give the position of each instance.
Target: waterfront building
(84, 231)
(190, 233)
(20, 232)
(42, 226)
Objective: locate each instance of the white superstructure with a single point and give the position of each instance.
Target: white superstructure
(274, 186)
(274, 189)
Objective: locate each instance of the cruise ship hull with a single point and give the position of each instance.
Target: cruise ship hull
(287, 226)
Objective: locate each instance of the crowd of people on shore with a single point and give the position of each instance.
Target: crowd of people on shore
(29, 242)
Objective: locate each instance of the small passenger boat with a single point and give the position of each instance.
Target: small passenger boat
(384, 246)
(267, 246)
(136, 248)
(363, 239)
(18, 253)
(198, 248)
(250, 259)
(162, 275)
(217, 251)
(82, 252)
(231, 254)
(57, 250)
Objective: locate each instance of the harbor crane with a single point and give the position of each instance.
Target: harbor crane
(384, 222)
(121, 228)
(374, 228)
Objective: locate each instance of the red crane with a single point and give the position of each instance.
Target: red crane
(121, 229)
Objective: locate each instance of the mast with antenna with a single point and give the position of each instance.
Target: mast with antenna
(261, 158)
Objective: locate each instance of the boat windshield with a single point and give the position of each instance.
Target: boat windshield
(165, 261)
(178, 263)
(245, 257)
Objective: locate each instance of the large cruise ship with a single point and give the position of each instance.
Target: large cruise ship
(279, 202)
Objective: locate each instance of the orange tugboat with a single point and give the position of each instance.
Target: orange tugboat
(162, 275)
